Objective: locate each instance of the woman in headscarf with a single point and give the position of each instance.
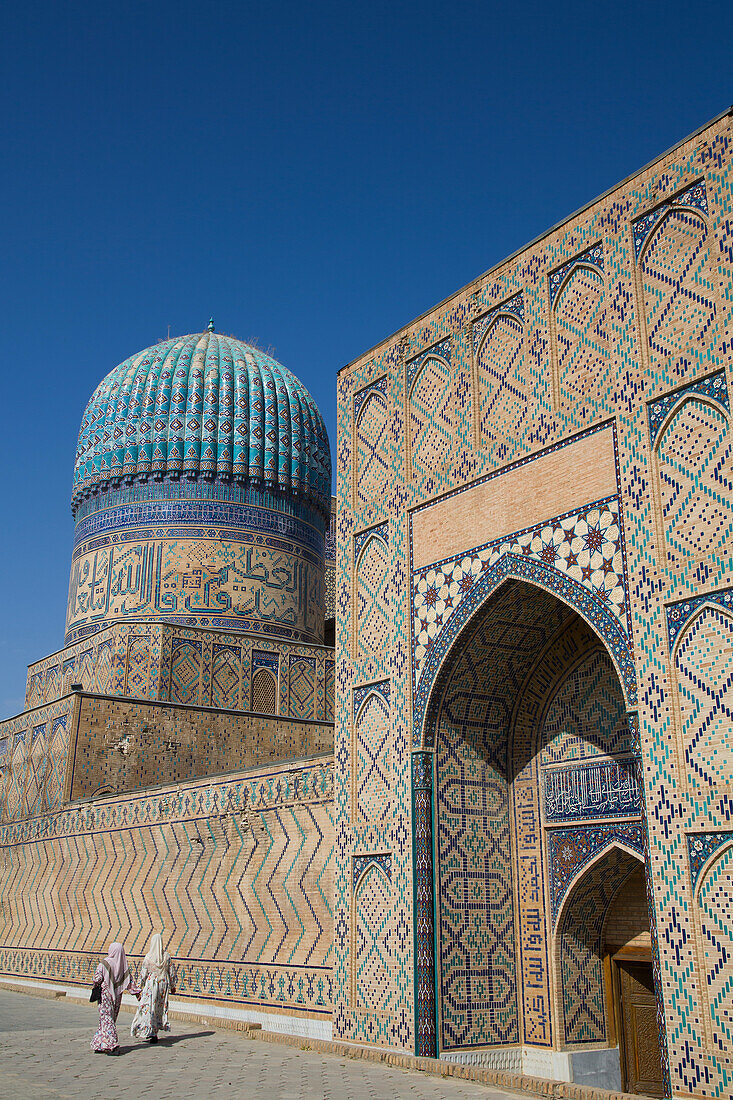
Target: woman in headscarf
(113, 974)
(157, 979)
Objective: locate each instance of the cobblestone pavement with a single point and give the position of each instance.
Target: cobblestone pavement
(45, 1055)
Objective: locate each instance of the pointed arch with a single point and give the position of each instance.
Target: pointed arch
(684, 397)
(703, 666)
(57, 781)
(614, 845)
(708, 866)
(714, 926)
(512, 567)
(372, 598)
(678, 291)
(225, 676)
(581, 358)
(372, 765)
(522, 639)
(694, 461)
(185, 671)
(373, 946)
(579, 945)
(264, 692)
(302, 687)
(430, 417)
(372, 449)
(501, 384)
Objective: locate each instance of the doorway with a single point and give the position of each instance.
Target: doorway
(641, 1062)
(629, 951)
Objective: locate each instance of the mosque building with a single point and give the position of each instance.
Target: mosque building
(443, 765)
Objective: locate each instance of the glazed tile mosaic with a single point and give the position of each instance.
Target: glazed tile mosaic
(520, 845)
(553, 614)
(237, 871)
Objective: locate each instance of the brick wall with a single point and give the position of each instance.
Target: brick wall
(627, 924)
(236, 872)
(564, 420)
(125, 745)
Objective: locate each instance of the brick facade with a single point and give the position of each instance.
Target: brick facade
(534, 509)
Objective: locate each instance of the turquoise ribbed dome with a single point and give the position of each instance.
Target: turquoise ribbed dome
(205, 406)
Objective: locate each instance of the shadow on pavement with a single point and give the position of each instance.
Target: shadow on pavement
(165, 1041)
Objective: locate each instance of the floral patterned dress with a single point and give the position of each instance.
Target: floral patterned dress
(105, 1039)
(152, 1014)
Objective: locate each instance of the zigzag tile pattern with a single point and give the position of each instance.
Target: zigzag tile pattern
(237, 872)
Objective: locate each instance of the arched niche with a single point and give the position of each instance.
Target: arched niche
(264, 692)
(581, 350)
(501, 384)
(714, 928)
(678, 291)
(372, 767)
(371, 446)
(372, 598)
(373, 947)
(584, 995)
(430, 418)
(702, 658)
(693, 454)
(527, 689)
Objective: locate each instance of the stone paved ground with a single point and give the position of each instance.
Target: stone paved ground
(45, 1055)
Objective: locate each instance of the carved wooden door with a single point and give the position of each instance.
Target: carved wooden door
(643, 1063)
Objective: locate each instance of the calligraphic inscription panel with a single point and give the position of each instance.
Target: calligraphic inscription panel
(198, 576)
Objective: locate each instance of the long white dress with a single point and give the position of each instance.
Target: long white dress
(152, 1013)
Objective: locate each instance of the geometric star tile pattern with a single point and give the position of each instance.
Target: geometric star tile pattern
(584, 545)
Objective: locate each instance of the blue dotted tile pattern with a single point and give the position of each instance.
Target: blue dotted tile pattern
(666, 326)
(204, 404)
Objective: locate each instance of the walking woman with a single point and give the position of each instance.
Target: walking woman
(113, 975)
(157, 978)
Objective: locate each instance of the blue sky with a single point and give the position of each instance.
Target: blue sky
(313, 175)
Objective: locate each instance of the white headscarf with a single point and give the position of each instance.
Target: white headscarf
(157, 960)
(116, 974)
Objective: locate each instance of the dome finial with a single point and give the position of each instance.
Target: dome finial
(210, 325)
